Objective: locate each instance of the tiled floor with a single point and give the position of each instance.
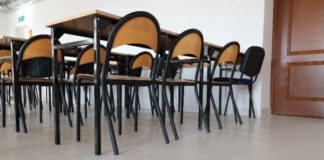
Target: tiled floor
(266, 138)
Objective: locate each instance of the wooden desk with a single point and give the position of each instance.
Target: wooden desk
(5, 41)
(97, 25)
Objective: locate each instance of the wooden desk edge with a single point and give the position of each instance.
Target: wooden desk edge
(113, 16)
(84, 14)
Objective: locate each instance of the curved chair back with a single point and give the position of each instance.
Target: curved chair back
(188, 43)
(227, 55)
(35, 57)
(85, 60)
(5, 68)
(252, 62)
(143, 60)
(137, 28)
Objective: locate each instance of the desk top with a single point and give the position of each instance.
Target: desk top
(83, 24)
(6, 40)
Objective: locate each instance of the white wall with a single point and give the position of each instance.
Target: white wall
(4, 23)
(221, 21)
(267, 45)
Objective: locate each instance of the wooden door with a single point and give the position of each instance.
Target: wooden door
(298, 58)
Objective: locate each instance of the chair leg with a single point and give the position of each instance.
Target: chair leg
(110, 104)
(132, 97)
(85, 88)
(21, 109)
(220, 100)
(78, 116)
(112, 99)
(217, 115)
(64, 105)
(109, 122)
(251, 106)
(152, 104)
(163, 106)
(24, 95)
(3, 103)
(172, 99)
(136, 109)
(9, 97)
(22, 116)
(152, 90)
(119, 108)
(227, 100)
(16, 104)
(181, 100)
(179, 97)
(50, 98)
(201, 110)
(46, 96)
(126, 94)
(138, 100)
(169, 111)
(40, 104)
(250, 109)
(236, 112)
(70, 96)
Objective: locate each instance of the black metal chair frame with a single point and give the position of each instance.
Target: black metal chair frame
(105, 76)
(166, 82)
(228, 82)
(39, 76)
(250, 67)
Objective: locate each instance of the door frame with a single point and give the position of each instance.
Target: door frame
(274, 55)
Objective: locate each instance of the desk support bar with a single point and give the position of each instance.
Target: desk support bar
(73, 44)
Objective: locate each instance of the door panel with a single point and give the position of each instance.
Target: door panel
(298, 60)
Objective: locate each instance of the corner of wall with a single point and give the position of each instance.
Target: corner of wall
(267, 45)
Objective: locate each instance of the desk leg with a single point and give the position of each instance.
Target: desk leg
(15, 86)
(55, 90)
(97, 102)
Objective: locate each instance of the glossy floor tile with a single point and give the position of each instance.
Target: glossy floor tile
(266, 138)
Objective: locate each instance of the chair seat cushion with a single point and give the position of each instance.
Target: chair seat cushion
(226, 81)
(221, 81)
(38, 81)
(242, 81)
